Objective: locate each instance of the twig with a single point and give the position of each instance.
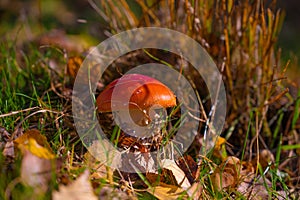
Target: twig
(17, 112)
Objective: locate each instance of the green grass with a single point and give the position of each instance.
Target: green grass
(27, 102)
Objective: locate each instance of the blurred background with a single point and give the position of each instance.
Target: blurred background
(289, 37)
(27, 20)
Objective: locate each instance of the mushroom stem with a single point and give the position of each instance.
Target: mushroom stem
(141, 124)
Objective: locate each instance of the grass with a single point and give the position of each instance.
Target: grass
(27, 102)
(261, 115)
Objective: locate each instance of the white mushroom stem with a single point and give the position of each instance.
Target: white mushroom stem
(141, 124)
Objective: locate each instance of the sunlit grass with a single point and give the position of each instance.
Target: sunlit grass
(27, 102)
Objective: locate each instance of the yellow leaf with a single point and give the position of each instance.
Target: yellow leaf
(220, 141)
(165, 191)
(220, 149)
(36, 135)
(37, 150)
(36, 143)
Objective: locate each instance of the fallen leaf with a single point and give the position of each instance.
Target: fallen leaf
(227, 174)
(80, 189)
(189, 167)
(34, 134)
(165, 191)
(232, 174)
(265, 159)
(38, 162)
(9, 150)
(195, 190)
(36, 171)
(219, 150)
(253, 189)
(9, 146)
(177, 172)
(165, 176)
(4, 137)
(246, 169)
(37, 150)
(73, 65)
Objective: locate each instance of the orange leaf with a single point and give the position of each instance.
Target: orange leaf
(73, 65)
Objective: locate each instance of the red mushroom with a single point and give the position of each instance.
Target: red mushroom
(139, 94)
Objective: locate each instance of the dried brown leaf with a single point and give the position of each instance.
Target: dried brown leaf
(189, 166)
(166, 176)
(253, 189)
(80, 189)
(9, 149)
(226, 175)
(195, 190)
(4, 136)
(177, 172)
(265, 158)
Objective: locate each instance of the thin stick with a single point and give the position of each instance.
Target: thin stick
(17, 112)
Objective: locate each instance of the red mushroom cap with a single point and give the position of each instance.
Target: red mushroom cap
(145, 92)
